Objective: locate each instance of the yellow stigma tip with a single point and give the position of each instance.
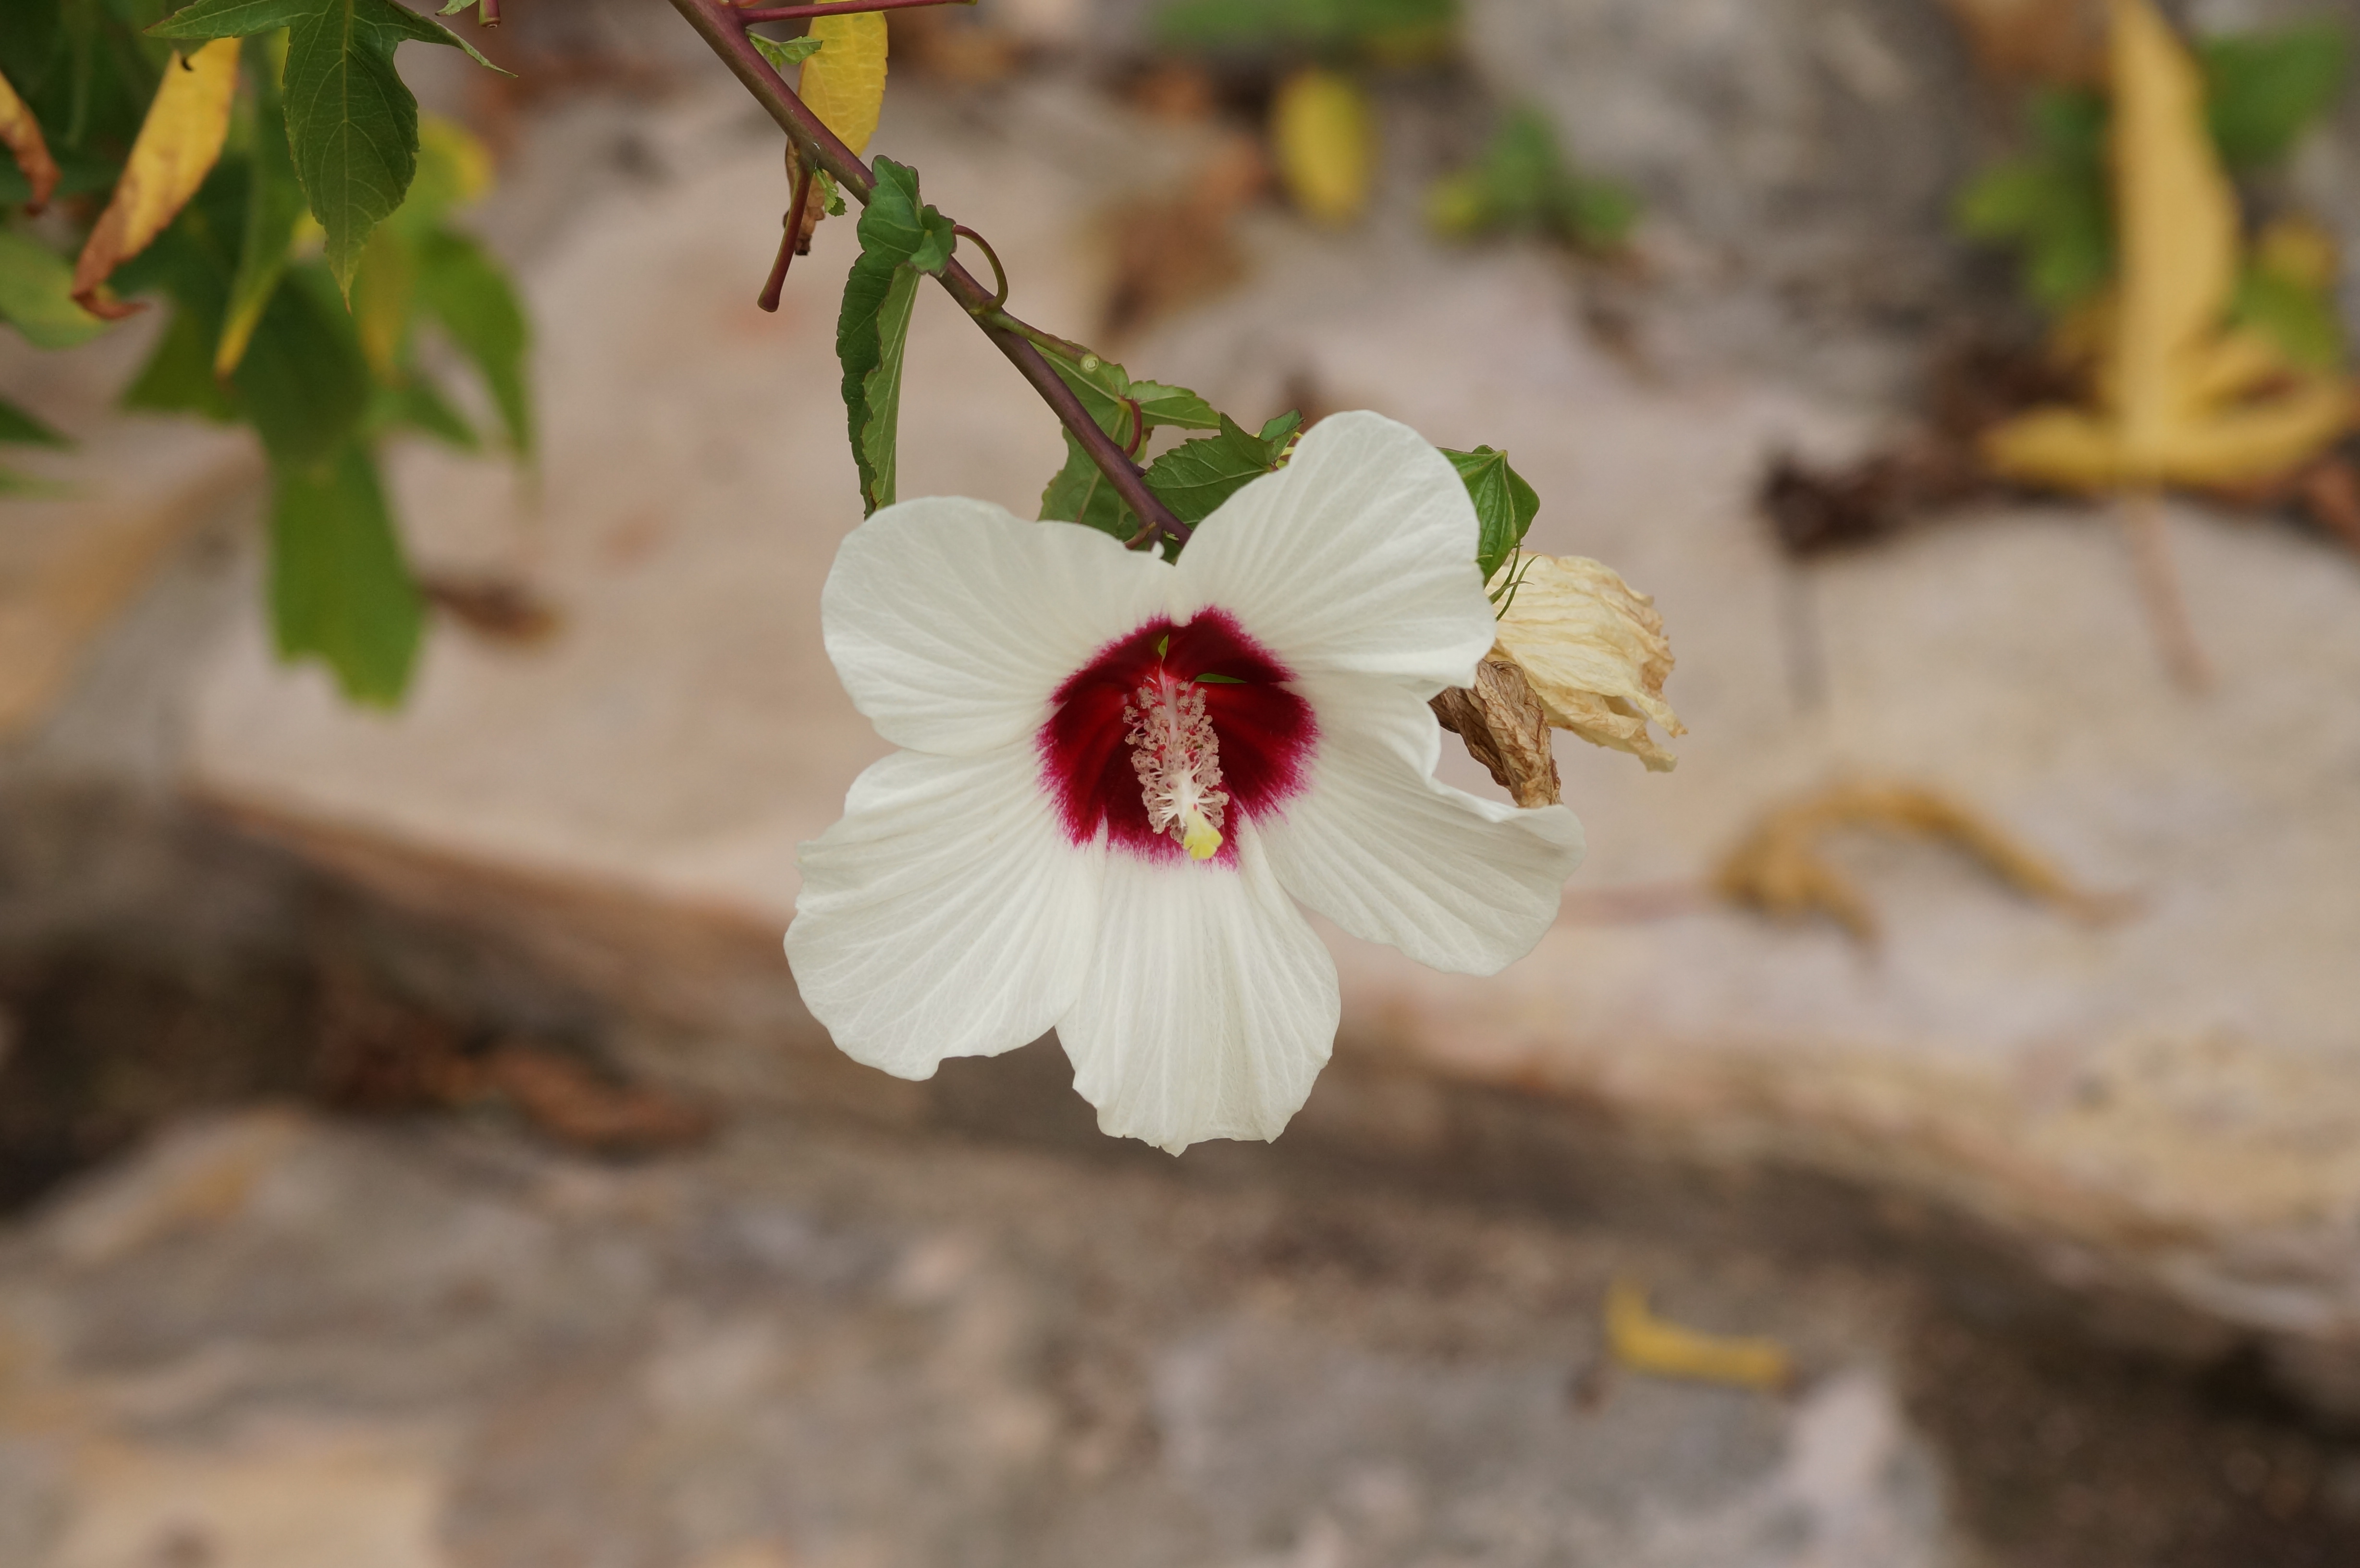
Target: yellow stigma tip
(1203, 841)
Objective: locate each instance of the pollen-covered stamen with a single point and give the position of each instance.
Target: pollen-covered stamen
(1178, 759)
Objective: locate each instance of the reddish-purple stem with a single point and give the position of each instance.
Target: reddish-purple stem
(848, 8)
(724, 30)
(788, 242)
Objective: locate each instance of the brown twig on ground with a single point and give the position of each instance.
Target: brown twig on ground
(498, 608)
(2160, 591)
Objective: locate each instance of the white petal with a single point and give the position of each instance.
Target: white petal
(1357, 555)
(1391, 854)
(952, 621)
(1210, 1005)
(946, 915)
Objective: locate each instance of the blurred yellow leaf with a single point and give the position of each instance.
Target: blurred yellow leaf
(21, 134)
(1645, 1342)
(1325, 140)
(2182, 399)
(178, 144)
(1782, 869)
(844, 83)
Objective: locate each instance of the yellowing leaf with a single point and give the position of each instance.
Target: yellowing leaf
(2181, 398)
(383, 290)
(844, 83)
(176, 146)
(1327, 144)
(21, 134)
(2298, 249)
(1593, 649)
(1645, 1342)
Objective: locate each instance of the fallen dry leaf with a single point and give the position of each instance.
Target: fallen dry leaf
(1780, 866)
(565, 1099)
(2182, 401)
(178, 142)
(500, 609)
(1326, 139)
(381, 1054)
(2035, 41)
(1640, 1340)
(1176, 250)
(1179, 90)
(1974, 384)
(1506, 729)
(1594, 650)
(844, 83)
(966, 50)
(21, 134)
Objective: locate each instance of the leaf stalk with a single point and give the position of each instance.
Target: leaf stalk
(723, 28)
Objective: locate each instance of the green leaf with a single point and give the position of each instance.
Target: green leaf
(1504, 504)
(352, 124)
(1388, 28)
(1108, 395)
(1194, 477)
(1082, 493)
(2303, 322)
(899, 227)
(339, 591)
(18, 427)
(36, 295)
(899, 238)
(1522, 183)
(13, 482)
(417, 406)
(462, 288)
(179, 376)
(880, 389)
(784, 52)
(1104, 388)
(274, 203)
(1174, 406)
(2052, 206)
(2262, 90)
(303, 382)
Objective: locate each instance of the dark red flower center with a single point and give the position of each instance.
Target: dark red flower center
(1172, 721)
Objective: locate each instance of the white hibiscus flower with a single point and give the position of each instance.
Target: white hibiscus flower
(1119, 774)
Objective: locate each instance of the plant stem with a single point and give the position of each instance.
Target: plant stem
(724, 29)
(843, 8)
(789, 242)
(2158, 577)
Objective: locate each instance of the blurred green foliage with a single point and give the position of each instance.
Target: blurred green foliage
(1522, 183)
(260, 331)
(1379, 30)
(2052, 204)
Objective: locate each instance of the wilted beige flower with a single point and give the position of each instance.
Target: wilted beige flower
(1594, 651)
